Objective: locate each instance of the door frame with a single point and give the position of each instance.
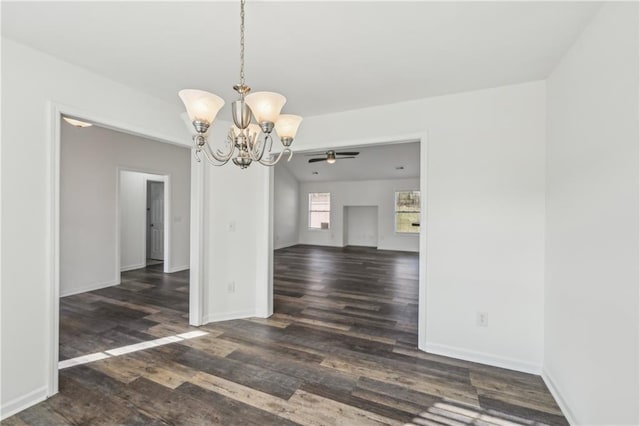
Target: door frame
(55, 111)
(148, 237)
(161, 176)
(264, 288)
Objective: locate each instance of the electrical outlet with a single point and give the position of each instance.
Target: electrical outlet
(231, 287)
(482, 319)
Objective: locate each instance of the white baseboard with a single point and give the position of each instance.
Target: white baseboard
(320, 245)
(483, 358)
(227, 316)
(177, 269)
(132, 267)
(91, 287)
(393, 248)
(259, 313)
(562, 403)
(284, 245)
(23, 402)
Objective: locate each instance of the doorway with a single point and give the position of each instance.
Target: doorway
(349, 190)
(144, 233)
(155, 222)
(85, 185)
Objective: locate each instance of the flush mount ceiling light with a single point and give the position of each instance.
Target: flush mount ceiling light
(77, 123)
(243, 142)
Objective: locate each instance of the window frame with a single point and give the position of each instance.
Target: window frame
(309, 211)
(396, 211)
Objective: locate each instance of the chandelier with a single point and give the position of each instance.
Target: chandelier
(244, 144)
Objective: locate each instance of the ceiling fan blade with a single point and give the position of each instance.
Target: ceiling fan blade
(315, 160)
(313, 154)
(347, 153)
(343, 158)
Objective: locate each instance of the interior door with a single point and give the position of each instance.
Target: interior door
(155, 223)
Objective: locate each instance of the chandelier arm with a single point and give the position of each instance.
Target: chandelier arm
(267, 139)
(214, 158)
(207, 156)
(221, 156)
(257, 149)
(220, 153)
(202, 144)
(232, 147)
(274, 162)
(270, 142)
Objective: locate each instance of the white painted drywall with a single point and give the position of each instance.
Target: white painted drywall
(285, 208)
(29, 80)
(485, 207)
(234, 226)
(133, 218)
(89, 163)
(360, 226)
(591, 293)
(378, 193)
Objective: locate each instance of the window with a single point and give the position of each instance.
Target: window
(319, 210)
(408, 212)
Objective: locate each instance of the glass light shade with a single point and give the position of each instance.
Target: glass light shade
(287, 125)
(201, 105)
(265, 106)
(253, 128)
(331, 160)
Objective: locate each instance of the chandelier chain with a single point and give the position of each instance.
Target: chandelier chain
(242, 42)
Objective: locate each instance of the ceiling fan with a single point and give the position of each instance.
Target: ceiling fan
(331, 156)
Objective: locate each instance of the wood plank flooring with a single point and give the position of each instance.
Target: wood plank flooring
(340, 349)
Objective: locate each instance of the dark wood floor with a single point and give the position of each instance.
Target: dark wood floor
(340, 349)
(147, 304)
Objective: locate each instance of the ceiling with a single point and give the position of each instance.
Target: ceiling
(373, 162)
(324, 56)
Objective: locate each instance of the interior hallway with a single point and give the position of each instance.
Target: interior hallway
(339, 349)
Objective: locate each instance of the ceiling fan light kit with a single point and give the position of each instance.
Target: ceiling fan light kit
(243, 143)
(331, 156)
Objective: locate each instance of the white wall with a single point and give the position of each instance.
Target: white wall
(89, 163)
(379, 193)
(234, 224)
(29, 80)
(285, 207)
(360, 226)
(485, 207)
(591, 293)
(133, 218)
